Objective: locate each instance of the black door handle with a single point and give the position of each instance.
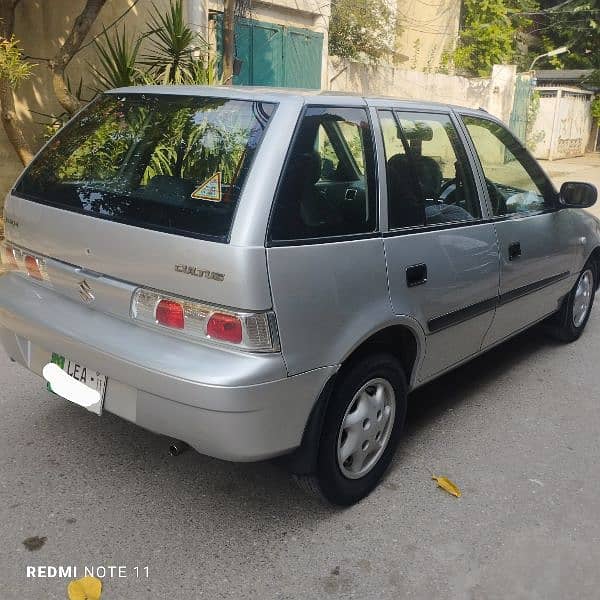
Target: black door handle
(416, 275)
(514, 250)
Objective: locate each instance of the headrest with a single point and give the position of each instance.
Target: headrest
(171, 190)
(417, 131)
(399, 163)
(310, 165)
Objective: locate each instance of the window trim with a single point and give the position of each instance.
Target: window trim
(469, 164)
(460, 114)
(272, 243)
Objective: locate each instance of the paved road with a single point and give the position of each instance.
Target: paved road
(582, 168)
(518, 430)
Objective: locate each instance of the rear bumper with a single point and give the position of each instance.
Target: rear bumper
(230, 405)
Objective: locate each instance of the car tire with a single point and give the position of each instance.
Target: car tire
(570, 321)
(361, 430)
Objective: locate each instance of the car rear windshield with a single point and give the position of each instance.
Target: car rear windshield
(170, 163)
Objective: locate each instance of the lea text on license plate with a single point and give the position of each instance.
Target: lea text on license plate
(89, 377)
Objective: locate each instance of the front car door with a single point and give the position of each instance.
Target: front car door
(440, 247)
(536, 240)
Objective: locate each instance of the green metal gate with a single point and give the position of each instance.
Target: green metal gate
(520, 109)
(275, 55)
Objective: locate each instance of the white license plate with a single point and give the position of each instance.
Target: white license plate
(89, 377)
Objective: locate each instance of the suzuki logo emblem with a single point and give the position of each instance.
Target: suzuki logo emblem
(85, 292)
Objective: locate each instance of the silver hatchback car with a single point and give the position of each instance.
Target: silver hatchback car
(262, 273)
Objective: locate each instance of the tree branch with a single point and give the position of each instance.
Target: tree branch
(11, 125)
(8, 115)
(67, 51)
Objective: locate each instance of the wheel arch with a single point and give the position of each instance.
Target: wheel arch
(403, 339)
(399, 339)
(595, 258)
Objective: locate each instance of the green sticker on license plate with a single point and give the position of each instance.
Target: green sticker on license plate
(59, 360)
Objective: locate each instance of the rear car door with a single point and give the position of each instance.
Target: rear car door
(440, 248)
(537, 241)
(324, 253)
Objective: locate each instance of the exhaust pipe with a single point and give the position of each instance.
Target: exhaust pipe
(177, 447)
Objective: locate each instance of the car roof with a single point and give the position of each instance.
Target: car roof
(282, 95)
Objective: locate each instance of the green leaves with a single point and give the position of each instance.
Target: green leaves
(596, 109)
(175, 54)
(172, 43)
(489, 34)
(12, 64)
(362, 29)
(574, 25)
(117, 56)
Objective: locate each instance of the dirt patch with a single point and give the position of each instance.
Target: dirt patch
(34, 543)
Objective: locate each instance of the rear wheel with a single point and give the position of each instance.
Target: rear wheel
(361, 430)
(570, 321)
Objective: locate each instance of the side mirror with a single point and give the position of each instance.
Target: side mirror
(576, 194)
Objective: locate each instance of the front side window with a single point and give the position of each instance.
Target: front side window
(515, 183)
(171, 163)
(327, 188)
(429, 181)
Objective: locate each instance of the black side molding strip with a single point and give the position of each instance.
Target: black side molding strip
(463, 314)
(531, 287)
(474, 310)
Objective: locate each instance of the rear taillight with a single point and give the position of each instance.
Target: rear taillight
(204, 322)
(23, 262)
(7, 257)
(224, 327)
(170, 314)
(32, 266)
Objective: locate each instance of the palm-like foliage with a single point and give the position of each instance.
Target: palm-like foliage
(173, 44)
(176, 54)
(118, 56)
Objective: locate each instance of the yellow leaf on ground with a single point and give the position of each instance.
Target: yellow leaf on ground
(86, 588)
(447, 485)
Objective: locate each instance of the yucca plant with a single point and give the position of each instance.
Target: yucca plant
(118, 57)
(176, 54)
(203, 71)
(173, 45)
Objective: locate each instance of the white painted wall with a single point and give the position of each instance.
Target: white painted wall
(428, 30)
(495, 94)
(563, 123)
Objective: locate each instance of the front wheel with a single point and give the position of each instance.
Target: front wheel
(570, 321)
(361, 430)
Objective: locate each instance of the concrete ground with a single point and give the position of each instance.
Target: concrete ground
(517, 430)
(582, 168)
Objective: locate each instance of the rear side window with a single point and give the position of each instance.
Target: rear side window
(171, 163)
(429, 181)
(327, 188)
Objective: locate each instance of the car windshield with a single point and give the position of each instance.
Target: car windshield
(171, 163)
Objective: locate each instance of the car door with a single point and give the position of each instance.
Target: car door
(440, 247)
(536, 240)
(324, 252)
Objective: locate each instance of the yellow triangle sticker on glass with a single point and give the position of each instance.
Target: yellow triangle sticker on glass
(210, 189)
